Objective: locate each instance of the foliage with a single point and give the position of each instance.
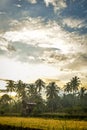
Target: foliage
(10, 86)
(29, 98)
(73, 85)
(39, 84)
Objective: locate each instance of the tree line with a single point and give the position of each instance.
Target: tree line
(29, 99)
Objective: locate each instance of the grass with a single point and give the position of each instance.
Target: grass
(45, 124)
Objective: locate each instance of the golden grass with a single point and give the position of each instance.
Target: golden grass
(45, 124)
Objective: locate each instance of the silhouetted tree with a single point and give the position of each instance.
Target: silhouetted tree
(82, 92)
(67, 87)
(52, 91)
(21, 91)
(73, 85)
(31, 89)
(10, 86)
(75, 82)
(39, 84)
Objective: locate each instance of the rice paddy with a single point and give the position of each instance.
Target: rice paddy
(45, 124)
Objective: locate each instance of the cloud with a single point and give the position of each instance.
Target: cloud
(58, 4)
(6, 46)
(2, 13)
(18, 5)
(34, 31)
(47, 44)
(26, 53)
(39, 41)
(79, 62)
(31, 57)
(73, 22)
(54, 57)
(15, 70)
(32, 1)
(3, 45)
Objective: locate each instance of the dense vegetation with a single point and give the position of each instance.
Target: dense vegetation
(29, 99)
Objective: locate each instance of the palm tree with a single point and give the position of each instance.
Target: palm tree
(73, 85)
(75, 82)
(10, 86)
(83, 97)
(82, 92)
(34, 97)
(31, 89)
(39, 84)
(20, 89)
(52, 91)
(67, 87)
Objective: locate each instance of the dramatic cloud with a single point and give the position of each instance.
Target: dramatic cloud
(46, 43)
(43, 39)
(50, 35)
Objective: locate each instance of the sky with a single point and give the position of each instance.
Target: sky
(44, 39)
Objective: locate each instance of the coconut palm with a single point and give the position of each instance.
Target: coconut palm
(52, 90)
(73, 85)
(75, 82)
(31, 89)
(67, 87)
(20, 89)
(10, 86)
(82, 92)
(34, 97)
(39, 84)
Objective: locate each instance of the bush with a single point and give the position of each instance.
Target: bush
(63, 116)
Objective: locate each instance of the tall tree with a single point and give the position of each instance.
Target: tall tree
(82, 92)
(52, 91)
(75, 82)
(20, 88)
(21, 91)
(31, 89)
(39, 84)
(10, 86)
(35, 97)
(83, 97)
(67, 87)
(73, 85)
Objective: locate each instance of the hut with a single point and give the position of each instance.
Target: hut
(27, 108)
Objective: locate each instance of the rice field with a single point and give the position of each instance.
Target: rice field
(45, 124)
